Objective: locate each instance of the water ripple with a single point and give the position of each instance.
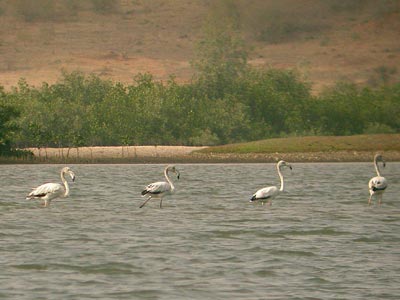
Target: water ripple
(319, 240)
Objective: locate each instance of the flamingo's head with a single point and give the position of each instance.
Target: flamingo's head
(379, 157)
(173, 169)
(283, 164)
(68, 171)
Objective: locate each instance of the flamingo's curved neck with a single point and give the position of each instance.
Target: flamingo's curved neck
(281, 177)
(66, 186)
(169, 180)
(377, 167)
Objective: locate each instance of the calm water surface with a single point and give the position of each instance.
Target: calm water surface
(319, 240)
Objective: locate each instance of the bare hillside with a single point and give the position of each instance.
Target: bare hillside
(326, 40)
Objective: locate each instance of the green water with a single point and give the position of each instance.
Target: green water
(319, 239)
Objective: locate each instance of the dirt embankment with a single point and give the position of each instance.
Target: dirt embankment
(184, 154)
(113, 154)
(337, 156)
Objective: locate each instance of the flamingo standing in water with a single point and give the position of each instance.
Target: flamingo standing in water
(161, 188)
(378, 184)
(271, 192)
(49, 191)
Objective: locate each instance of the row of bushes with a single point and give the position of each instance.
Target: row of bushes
(55, 10)
(84, 110)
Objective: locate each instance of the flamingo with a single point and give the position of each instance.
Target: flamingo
(161, 188)
(49, 191)
(271, 192)
(378, 184)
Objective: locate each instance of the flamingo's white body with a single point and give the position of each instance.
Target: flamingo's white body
(161, 188)
(378, 184)
(49, 191)
(270, 192)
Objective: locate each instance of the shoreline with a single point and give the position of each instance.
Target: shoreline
(113, 152)
(303, 157)
(183, 154)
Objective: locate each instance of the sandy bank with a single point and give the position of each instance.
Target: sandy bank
(185, 154)
(119, 152)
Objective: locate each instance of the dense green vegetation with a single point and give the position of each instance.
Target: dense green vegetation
(8, 128)
(6, 114)
(85, 110)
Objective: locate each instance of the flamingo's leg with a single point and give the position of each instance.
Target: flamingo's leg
(143, 204)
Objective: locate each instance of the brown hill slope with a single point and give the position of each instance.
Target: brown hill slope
(326, 40)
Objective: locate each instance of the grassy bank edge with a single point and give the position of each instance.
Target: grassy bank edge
(305, 157)
(311, 144)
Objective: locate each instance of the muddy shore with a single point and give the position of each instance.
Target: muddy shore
(337, 156)
(184, 154)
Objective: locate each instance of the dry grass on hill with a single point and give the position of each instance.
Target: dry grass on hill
(325, 43)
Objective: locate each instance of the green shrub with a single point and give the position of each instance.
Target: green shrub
(204, 138)
(377, 128)
(105, 6)
(38, 10)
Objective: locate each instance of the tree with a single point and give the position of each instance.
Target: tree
(221, 55)
(8, 127)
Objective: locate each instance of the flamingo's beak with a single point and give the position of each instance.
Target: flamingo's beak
(72, 176)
